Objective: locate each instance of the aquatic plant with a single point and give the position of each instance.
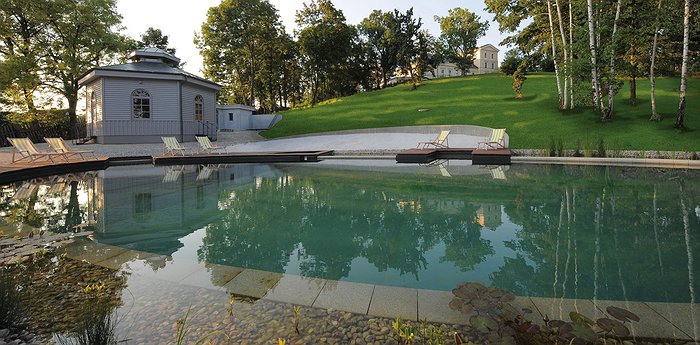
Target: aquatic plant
(297, 315)
(11, 308)
(404, 332)
(98, 322)
(494, 316)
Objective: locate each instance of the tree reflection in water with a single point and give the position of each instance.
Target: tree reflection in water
(578, 232)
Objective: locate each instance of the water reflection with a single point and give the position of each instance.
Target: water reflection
(577, 232)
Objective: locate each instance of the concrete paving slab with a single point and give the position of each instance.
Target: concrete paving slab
(346, 296)
(391, 302)
(165, 268)
(651, 324)
(122, 261)
(684, 316)
(91, 252)
(434, 306)
(212, 276)
(253, 283)
(559, 308)
(296, 290)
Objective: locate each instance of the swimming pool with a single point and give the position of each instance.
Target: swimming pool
(536, 230)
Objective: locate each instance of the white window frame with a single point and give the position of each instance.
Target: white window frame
(137, 110)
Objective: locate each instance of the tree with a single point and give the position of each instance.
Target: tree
(511, 61)
(654, 115)
(80, 35)
(237, 36)
(377, 30)
(21, 49)
(408, 41)
(460, 31)
(608, 113)
(595, 81)
(154, 38)
(326, 42)
(684, 69)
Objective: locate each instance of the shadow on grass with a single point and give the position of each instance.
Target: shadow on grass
(524, 99)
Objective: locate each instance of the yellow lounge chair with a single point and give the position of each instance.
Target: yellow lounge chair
(173, 146)
(206, 145)
(59, 146)
(27, 190)
(495, 141)
(440, 141)
(27, 150)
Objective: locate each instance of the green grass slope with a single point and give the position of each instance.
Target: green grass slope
(531, 122)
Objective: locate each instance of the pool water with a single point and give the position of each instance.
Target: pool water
(535, 230)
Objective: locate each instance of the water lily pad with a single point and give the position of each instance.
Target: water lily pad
(623, 315)
(483, 324)
(614, 326)
(583, 331)
(556, 323)
(580, 318)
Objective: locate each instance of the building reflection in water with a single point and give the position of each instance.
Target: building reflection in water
(577, 232)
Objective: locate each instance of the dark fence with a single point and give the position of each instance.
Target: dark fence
(37, 132)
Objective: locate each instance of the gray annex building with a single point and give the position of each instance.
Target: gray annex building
(149, 97)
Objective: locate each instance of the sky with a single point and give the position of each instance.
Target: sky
(180, 19)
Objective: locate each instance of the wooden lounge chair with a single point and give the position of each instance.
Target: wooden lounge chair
(205, 145)
(440, 141)
(172, 146)
(495, 141)
(27, 150)
(59, 146)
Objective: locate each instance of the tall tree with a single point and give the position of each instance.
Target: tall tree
(680, 116)
(654, 115)
(326, 41)
(593, 46)
(608, 113)
(407, 30)
(233, 39)
(377, 30)
(21, 48)
(555, 58)
(460, 31)
(154, 38)
(81, 34)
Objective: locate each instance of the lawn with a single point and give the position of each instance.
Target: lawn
(531, 122)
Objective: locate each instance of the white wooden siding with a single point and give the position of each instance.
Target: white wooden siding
(189, 91)
(96, 87)
(165, 104)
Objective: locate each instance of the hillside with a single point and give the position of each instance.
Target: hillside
(488, 100)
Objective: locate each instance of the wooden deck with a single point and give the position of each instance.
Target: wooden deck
(247, 157)
(477, 156)
(17, 171)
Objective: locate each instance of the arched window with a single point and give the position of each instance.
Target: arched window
(141, 104)
(198, 107)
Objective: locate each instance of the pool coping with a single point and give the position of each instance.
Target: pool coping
(678, 321)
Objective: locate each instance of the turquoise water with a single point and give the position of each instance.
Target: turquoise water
(552, 231)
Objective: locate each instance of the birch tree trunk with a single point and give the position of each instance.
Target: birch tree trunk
(594, 62)
(654, 115)
(571, 54)
(608, 113)
(554, 55)
(566, 68)
(680, 117)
